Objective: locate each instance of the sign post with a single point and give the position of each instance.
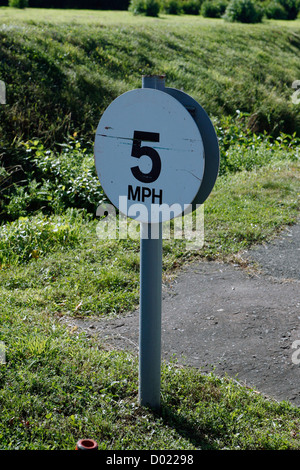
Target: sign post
(150, 317)
(150, 301)
(149, 152)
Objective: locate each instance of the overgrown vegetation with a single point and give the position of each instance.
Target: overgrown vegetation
(244, 11)
(56, 180)
(18, 3)
(61, 72)
(66, 67)
(72, 72)
(214, 9)
(145, 7)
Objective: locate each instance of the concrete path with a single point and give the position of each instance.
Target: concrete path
(234, 321)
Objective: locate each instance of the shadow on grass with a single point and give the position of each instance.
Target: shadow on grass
(188, 429)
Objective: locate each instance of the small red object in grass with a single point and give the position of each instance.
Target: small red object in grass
(86, 444)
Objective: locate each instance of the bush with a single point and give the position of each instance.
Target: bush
(291, 7)
(244, 11)
(18, 3)
(53, 181)
(172, 7)
(191, 7)
(144, 7)
(275, 11)
(213, 9)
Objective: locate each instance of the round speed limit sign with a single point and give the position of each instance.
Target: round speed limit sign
(149, 150)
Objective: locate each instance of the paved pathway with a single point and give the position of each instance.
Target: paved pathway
(230, 320)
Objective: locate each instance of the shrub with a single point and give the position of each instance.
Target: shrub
(213, 9)
(172, 7)
(53, 181)
(244, 11)
(191, 7)
(291, 7)
(274, 10)
(18, 3)
(144, 7)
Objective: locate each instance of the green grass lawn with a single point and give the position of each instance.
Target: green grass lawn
(62, 69)
(60, 263)
(58, 385)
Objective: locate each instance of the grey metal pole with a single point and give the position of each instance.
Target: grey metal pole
(153, 81)
(150, 301)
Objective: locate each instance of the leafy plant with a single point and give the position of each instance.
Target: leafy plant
(18, 3)
(5, 176)
(244, 11)
(291, 7)
(191, 7)
(274, 10)
(213, 9)
(57, 180)
(171, 7)
(144, 7)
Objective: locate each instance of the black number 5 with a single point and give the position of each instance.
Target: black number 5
(138, 151)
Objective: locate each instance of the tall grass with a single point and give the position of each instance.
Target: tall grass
(72, 70)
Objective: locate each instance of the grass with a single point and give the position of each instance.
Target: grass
(71, 65)
(250, 208)
(58, 385)
(63, 68)
(59, 262)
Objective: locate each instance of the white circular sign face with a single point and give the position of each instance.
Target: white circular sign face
(149, 155)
